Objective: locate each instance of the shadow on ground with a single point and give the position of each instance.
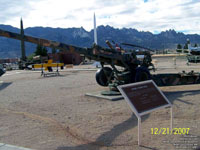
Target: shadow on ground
(177, 95)
(4, 85)
(106, 139)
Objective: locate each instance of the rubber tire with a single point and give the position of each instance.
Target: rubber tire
(1, 72)
(142, 74)
(101, 76)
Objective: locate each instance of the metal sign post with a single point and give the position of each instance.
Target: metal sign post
(139, 131)
(143, 98)
(171, 126)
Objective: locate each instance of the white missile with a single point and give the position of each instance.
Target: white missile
(95, 30)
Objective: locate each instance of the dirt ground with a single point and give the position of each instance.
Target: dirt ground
(53, 113)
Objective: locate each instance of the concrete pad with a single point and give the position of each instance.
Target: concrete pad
(4, 146)
(99, 95)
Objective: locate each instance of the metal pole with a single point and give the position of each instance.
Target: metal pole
(139, 131)
(171, 118)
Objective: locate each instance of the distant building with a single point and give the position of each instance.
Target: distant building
(66, 58)
(9, 60)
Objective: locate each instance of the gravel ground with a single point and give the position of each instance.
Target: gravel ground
(53, 113)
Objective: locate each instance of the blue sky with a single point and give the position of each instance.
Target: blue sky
(144, 15)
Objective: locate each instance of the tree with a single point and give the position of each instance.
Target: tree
(185, 46)
(30, 57)
(38, 50)
(42, 51)
(195, 45)
(53, 50)
(179, 46)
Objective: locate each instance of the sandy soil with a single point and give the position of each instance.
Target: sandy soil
(53, 113)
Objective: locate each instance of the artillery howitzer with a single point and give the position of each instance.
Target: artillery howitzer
(133, 69)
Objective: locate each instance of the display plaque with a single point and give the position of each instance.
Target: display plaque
(144, 97)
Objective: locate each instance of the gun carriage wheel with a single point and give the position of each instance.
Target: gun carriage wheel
(142, 74)
(103, 76)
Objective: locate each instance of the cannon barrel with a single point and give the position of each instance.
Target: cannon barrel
(43, 42)
(95, 53)
(134, 70)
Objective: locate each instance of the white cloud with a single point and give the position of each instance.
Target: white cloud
(153, 15)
